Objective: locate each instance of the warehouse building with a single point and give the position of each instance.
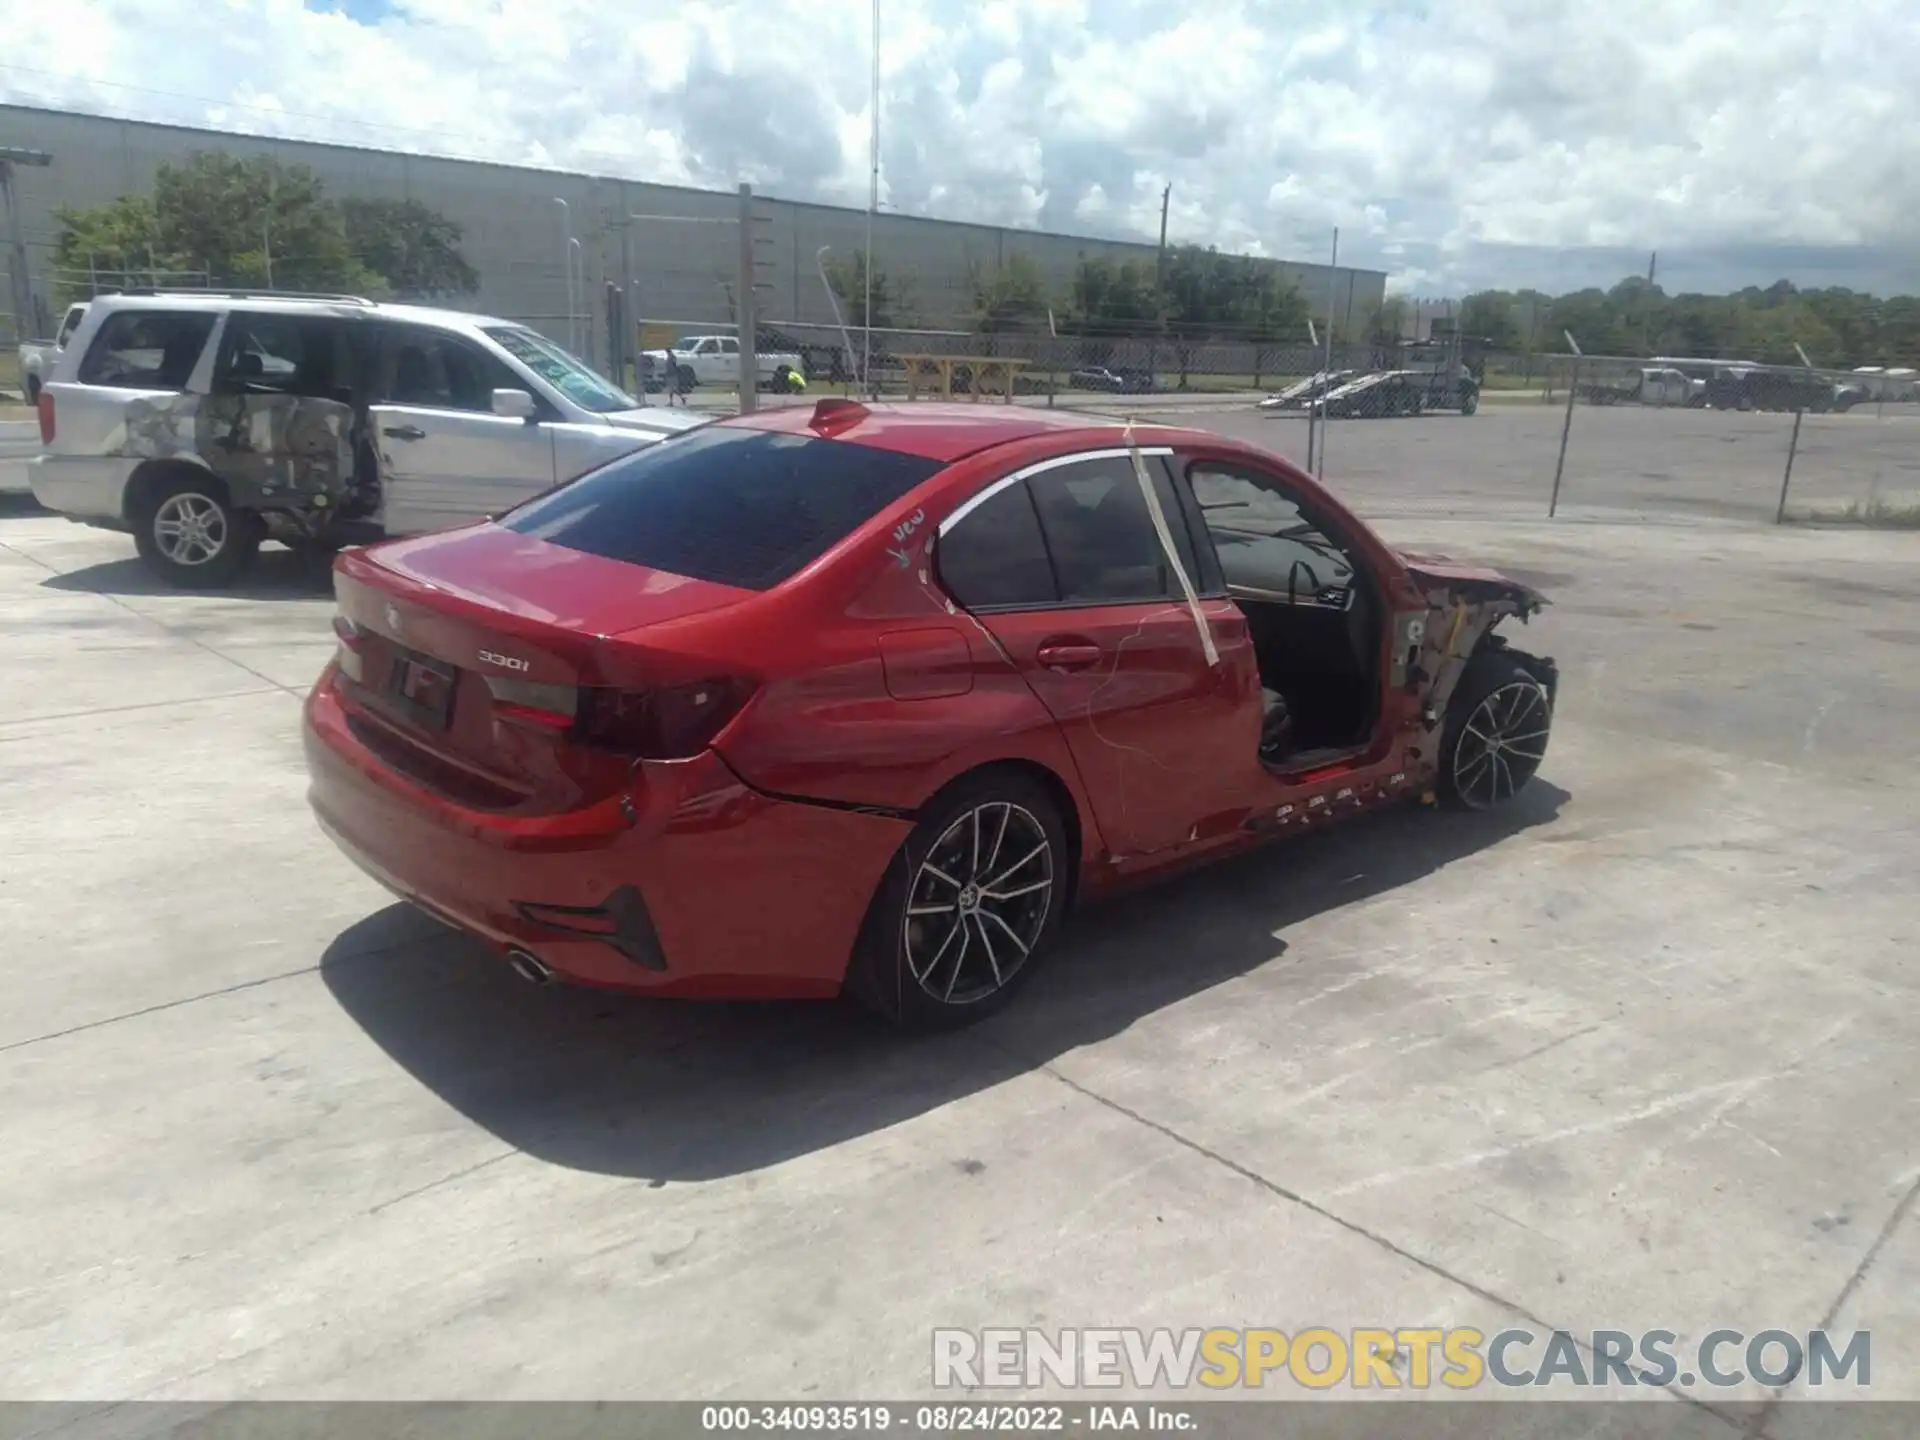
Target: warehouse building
(516, 233)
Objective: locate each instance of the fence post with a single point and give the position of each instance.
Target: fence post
(746, 327)
(1793, 447)
(1333, 263)
(1566, 428)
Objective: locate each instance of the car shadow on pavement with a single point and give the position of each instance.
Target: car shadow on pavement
(683, 1091)
(275, 575)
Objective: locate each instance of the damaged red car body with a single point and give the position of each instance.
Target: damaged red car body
(850, 698)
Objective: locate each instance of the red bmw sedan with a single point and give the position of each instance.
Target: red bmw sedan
(867, 698)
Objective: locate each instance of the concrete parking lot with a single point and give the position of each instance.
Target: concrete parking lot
(1638, 1053)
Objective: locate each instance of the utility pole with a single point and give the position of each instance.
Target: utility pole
(22, 299)
(1646, 304)
(873, 206)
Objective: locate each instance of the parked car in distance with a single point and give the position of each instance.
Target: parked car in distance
(37, 357)
(1124, 380)
(1781, 387)
(699, 360)
(206, 422)
(1096, 377)
(836, 698)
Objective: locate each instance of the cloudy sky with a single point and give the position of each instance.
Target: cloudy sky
(1455, 143)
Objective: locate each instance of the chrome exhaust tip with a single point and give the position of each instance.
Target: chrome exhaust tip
(530, 968)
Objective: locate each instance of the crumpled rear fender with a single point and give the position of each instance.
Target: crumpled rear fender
(1465, 605)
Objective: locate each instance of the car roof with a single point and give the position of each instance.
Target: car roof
(933, 429)
(347, 306)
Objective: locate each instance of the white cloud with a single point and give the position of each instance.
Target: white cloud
(1475, 142)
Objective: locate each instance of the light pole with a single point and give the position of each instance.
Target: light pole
(566, 257)
(873, 204)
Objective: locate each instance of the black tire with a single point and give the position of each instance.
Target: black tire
(905, 964)
(1498, 700)
(1469, 401)
(190, 535)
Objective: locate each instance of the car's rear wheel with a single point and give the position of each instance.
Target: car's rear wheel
(1469, 401)
(1496, 733)
(191, 536)
(967, 909)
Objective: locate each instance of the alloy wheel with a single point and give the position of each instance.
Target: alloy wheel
(978, 903)
(189, 529)
(1502, 744)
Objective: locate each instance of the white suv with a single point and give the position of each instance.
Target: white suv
(205, 422)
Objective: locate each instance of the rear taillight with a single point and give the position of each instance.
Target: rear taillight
(347, 654)
(528, 702)
(669, 723)
(46, 418)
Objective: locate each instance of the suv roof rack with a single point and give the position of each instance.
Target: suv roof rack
(249, 294)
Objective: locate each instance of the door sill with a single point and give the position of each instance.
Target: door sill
(1299, 765)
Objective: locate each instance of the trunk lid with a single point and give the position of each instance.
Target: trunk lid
(473, 646)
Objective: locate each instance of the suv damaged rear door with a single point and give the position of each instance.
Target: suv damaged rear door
(278, 426)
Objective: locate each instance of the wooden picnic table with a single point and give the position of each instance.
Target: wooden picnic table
(933, 375)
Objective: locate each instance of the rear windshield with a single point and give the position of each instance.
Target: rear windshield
(735, 507)
(146, 349)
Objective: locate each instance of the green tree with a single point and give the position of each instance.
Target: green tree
(113, 241)
(1010, 297)
(415, 249)
(255, 221)
(848, 281)
(1106, 298)
(1495, 317)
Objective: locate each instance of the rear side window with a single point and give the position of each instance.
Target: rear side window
(286, 355)
(146, 349)
(735, 507)
(994, 558)
(1101, 535)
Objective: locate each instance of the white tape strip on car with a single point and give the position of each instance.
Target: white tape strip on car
(1166, 544)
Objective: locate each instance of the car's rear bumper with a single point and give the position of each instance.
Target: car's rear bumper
(19, 443)
(87, 487)
(739, 894)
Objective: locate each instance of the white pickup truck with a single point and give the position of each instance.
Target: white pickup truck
(1648, 385)
(698, 360)
(37, 357)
